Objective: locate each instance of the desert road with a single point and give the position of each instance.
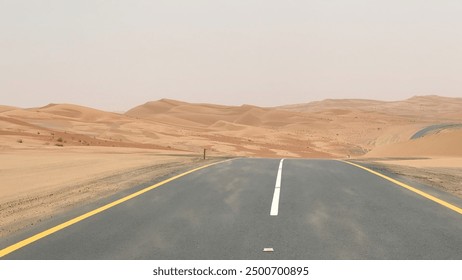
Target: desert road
(263, 209)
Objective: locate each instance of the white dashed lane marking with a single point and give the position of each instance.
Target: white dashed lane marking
(277, 192)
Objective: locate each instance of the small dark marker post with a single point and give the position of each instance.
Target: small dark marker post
(204, 152)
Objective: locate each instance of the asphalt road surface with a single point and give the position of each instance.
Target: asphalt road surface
(434, 129)
(265, 209)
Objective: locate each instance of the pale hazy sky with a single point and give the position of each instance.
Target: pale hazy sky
(114, 55)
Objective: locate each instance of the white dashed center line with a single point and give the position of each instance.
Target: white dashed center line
(277, 192)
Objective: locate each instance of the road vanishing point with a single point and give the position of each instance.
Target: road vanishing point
(260, 209)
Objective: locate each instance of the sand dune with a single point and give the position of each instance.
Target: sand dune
(417, 105)
(4, 108)
(329, 128)
(329, 104)
(77, 112)
(226, 126)
(447, 143)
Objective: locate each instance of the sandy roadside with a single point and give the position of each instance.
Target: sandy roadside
(440, 173)
(37, 185)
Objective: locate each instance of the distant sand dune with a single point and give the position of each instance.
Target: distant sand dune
(329, 128)
(7, 108)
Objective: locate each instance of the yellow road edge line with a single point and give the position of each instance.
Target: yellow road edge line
(82, 217)
(412, 189)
